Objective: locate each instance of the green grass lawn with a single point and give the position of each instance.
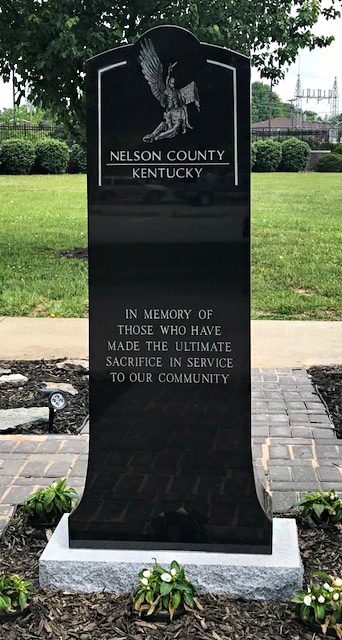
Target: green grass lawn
(39, 216)
(296, 246)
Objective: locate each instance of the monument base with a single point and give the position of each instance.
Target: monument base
(254, 576)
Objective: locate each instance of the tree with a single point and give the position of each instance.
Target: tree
(261, 103)
(310, 115)
(48, 41)
(25, 114)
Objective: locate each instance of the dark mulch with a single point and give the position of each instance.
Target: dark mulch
(39, 371)
(64, 616)
(328, 382)
(77, 253)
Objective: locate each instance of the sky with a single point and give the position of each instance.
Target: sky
(317, 69)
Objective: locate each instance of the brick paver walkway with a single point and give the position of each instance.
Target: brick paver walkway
(294, 446)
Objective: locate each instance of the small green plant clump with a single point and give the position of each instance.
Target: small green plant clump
(17, 156)
(323, 507)
(162, 589)
(48, 504)
(52, 156)
(295, 155)
(321, 602)
(267, 155)
(331, 163)
(14, 593)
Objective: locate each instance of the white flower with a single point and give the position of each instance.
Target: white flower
(336, 596)
(309, 589)
(326, 586)
(144, 581)
(331, 589)
(173, 572)
(321, 599)
(166, 577)
(338, 582)
(147, 573)
(307, 601)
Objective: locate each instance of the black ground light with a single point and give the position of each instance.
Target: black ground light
(57, 401)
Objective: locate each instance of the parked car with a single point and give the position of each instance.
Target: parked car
(125, 188)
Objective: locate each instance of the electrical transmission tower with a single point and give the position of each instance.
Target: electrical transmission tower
(318, 95)
(297, 105)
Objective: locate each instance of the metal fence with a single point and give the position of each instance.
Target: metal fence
(30, 131)
(318, 135)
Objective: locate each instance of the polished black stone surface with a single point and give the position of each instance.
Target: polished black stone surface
(170, 461)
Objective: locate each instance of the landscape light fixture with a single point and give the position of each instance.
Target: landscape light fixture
(57, 401)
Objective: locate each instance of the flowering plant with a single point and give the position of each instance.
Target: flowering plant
(164, 589)
(14, 593)
(323, 507)
(322, 602)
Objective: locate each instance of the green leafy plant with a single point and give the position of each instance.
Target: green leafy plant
(331, 163)
(48, 504)
(321, 602)
(77, 160)
(51, 156)
(295, 155)
(323, 507)
(14, 593)
(162, 589)
(17, 156)
(268, 155)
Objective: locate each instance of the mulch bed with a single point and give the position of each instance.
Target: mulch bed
(64, 616)
(328, 382)
(39, 371)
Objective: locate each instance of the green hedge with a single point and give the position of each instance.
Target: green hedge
(253, 154)
(331, 163)
(52, 156)
(295, 155)
(267, 155)
(17, 156)
(77, 160)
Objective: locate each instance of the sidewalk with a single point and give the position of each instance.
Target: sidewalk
(275, 343)
(294, 443)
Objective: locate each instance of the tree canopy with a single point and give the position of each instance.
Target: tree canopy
(48, 41)
(261, 103)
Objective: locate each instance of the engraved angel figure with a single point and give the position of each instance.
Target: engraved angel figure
(173, 100)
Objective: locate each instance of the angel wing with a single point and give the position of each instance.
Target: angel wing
(152, 69)
(189, 93)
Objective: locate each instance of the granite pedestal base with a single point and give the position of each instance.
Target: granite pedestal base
(257, 577)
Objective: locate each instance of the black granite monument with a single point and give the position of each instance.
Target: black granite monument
(170, 463)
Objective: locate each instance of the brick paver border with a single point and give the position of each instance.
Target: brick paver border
(295, 447)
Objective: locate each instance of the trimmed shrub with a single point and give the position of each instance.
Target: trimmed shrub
(77, 160)
(327, 146)
(330, 164)
(295, 155)
(268, 155)
(312, 142)
(337, 148)
(253, 154)
(51, 156)
(17, 156)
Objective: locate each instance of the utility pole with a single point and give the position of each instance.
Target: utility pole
(270, 110)
(13, 94)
